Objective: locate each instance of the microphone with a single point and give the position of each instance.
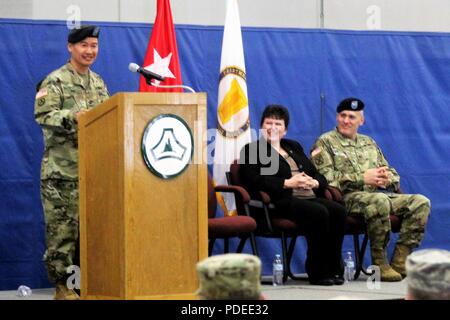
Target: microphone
(133, 67)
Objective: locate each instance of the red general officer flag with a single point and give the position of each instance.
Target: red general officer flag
(162, 53)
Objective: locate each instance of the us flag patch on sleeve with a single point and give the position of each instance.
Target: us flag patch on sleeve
(41, 93)
(315, 152)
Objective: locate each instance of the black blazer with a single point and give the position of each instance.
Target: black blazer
(259, 172)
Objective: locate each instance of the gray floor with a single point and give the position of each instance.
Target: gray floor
(355, 290)
(292, 290)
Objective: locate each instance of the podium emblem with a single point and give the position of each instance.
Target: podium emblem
(167, 145)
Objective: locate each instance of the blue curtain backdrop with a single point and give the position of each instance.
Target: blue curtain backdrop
(404, 79)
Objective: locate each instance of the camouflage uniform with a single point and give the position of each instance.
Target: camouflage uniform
(343, 162)
(230, 277)
(429, 274)
(62, 94)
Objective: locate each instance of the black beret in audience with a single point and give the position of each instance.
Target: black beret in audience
(352, 104)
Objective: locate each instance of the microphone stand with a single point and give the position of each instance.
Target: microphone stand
(169, 86)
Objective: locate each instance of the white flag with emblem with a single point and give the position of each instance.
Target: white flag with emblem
(233, 123)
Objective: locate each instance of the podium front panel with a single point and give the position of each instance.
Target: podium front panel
(141, 235)
(101, 196)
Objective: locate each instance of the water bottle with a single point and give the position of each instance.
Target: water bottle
(277, 271)
(23, 291)
(349, 267)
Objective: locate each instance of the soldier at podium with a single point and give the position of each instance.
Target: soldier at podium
(61, 97)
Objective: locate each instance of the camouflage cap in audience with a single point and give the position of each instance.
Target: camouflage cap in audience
(429, 270)
(230, 277)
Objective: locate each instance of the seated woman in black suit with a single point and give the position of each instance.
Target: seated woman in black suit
(280, 167)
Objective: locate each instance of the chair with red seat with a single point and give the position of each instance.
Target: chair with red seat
(226, 227)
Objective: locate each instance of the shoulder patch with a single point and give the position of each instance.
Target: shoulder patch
(41, 102)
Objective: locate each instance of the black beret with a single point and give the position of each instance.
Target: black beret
(352, 104)
(83, 32)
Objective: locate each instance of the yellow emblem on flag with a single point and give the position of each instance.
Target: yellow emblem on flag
(234, 101)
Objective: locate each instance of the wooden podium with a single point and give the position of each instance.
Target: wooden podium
(140, 235)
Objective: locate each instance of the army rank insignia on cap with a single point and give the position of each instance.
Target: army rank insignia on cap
(354, 105)
(96, 32)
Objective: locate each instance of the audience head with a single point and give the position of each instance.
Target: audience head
(428, 275)
(274, 123)
(275, 111)
(349, 116)
(230, 277)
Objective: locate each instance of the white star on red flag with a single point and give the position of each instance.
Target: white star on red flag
(160, 65)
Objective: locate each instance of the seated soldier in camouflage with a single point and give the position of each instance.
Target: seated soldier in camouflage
(232, 276)
(62, 96)
(354, 164)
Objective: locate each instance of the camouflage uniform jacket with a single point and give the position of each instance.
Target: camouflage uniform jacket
(343, 161)
(62, 94)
